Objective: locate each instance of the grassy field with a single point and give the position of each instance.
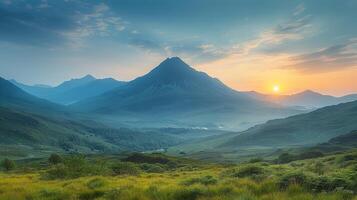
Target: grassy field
(159, 177)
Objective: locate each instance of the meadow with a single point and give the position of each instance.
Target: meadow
(160, 177)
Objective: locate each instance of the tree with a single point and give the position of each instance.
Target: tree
(54, 159)
(8, 164)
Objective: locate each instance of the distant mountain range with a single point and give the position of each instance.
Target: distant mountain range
(13, 97)
(175, 91)
(73, 90)
(307, 99)
(31, 126)
(109, 115)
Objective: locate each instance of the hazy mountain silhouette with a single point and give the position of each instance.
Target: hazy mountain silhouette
(173, 90)
(12, 96)
(307, 99)
(73, 90)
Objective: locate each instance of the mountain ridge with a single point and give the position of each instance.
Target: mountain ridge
(174, 90)
(73, 90)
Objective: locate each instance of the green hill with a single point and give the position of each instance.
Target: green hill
(302, 130)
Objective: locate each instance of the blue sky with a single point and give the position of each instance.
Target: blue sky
(46, 41)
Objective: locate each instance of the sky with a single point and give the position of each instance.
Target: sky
(247, 44)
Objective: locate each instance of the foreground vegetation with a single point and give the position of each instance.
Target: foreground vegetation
(160, 177)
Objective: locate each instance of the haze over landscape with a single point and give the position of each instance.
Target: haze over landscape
(247, 45)
(178, 100)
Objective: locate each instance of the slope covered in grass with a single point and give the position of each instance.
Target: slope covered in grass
(115, 177)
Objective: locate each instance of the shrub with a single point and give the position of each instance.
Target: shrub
(91, 195)
(328, 184)
(248, 171)
(59, 171)
(319, 168)
(125, 168)
(187, 194)
(285, 158)
(146, 158)
(292, 179)
(152, 168)
(75, 166)
(8, 164)
(96, 183)
(206, 180)
(256, 160)
(54, 159)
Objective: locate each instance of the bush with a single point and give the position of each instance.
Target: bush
(285, 158)
(206, 180)
(8, 164)
(91, 195)
(146, 158)
(96, 183)
(152, 168)
(187, 194)
(256, 160)
(125, 168)
(59, 171)
(327, 184)
(248, 171)
(292, 179)
(75, 166)
(54, 159)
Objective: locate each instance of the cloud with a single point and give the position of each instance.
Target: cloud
(293, 29)
(332, 58)
(57, 24)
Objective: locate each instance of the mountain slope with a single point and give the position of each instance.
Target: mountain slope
(33, 134)
(73, 90)
(174, 90)
(305, 129)
(320, 130)
(12, 96)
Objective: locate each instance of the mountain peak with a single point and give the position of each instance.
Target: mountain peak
(88, 77)
(173, 66)
(309, 92)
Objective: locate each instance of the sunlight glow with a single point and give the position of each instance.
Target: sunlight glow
(276, 88)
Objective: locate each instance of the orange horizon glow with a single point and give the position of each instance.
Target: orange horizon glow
(261, 73)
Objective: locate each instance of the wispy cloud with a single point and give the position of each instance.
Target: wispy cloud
(296, 28)
(332, 58)
(45, 25)
(99, 22)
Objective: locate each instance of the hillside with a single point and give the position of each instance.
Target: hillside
(32, 135)
(156, 176)
(13, 97)
(304, 129)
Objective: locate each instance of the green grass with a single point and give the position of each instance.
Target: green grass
(133, 177)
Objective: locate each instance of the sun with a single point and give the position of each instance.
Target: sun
(276, 88)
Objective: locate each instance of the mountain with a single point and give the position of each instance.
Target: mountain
(13, 97)
(73, 90)
(175, 91)
(307, 99)
(296, 132)
(304, 129)
(31, 126)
